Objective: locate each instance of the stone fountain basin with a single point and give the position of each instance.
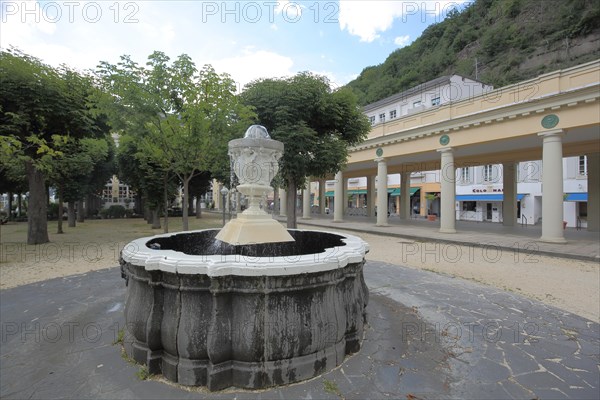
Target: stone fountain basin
(253, 316)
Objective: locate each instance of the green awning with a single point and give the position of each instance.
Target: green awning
(331, 193)
(393, 192)
(396, 192)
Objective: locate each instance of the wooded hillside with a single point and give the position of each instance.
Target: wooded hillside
(511, 40)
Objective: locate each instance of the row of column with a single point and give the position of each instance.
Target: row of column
(552, 192)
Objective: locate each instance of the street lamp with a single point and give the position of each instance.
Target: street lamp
(224, 192)
(232, 198)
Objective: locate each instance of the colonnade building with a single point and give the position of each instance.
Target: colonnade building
(524, 153)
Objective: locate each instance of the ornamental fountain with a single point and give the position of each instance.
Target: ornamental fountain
(251, 306)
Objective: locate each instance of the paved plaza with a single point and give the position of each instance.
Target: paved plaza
(430, 336)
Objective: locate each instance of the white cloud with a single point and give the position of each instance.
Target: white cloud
(336, 81)
(290, 10)
(402, 41)
(74, 39)
(254, 64)
(367, 19)
(18, 26)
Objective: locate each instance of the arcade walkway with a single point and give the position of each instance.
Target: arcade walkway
(581, 244)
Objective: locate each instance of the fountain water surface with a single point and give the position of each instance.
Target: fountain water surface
(250, 306)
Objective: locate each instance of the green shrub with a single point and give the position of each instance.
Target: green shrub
(114, 211)
(52, 211)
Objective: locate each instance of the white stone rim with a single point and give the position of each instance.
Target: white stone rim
(137, 253)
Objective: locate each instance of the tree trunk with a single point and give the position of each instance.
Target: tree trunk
(275, 201)
(291, 204)
(89, 206)
(10, 204)
(166, 206)
(155, 219)
(81, 211)
(198, 208)
(148, 214)
(61, 210)
(37, 218)
(139, 203)
(19, 205)
(185, 201)
(71, 214)
(191, 205)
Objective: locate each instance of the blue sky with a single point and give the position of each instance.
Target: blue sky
(247, 39)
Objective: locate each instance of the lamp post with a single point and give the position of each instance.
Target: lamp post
(224, 192)
(232, 198)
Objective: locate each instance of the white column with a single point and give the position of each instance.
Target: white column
(338, 200)
(405, 195)
(322, 185)
(509, 188)
(306, 201)
(593, 205)
(448, 187)
(382, 201)
(282, 203)
(371, 196)
(552, 187)
(345, 197)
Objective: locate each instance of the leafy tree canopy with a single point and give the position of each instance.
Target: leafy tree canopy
(315, 123)
(181, 117)
(41, 109)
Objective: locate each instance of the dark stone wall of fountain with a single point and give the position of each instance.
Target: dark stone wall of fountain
(247, 332)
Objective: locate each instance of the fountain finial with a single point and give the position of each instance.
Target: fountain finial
(255, 163)
(257, 132)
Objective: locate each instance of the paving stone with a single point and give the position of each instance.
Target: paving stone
(520, 362)
(391, 364)
(515, 391)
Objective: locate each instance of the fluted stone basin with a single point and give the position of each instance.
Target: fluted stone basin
(206, 313)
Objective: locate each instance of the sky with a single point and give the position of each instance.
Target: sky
(246, 39)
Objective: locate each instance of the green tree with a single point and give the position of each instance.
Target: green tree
(152, 183)
(315, 123)
(40, 107)
(73, 170)
(12, 180)
(199, 185)
(187, 115)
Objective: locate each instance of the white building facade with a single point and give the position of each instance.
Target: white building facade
(480, 192)
(479, 188)
(437, 92)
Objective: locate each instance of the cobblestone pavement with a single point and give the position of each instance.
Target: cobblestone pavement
(430, 336)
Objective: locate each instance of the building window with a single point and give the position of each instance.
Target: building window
(435, 101)
(372, 120)
(382, 117)
(582, 165)
(416, 104)
(465, 175)
(469, 206)
(392, 114)
(487, 173)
